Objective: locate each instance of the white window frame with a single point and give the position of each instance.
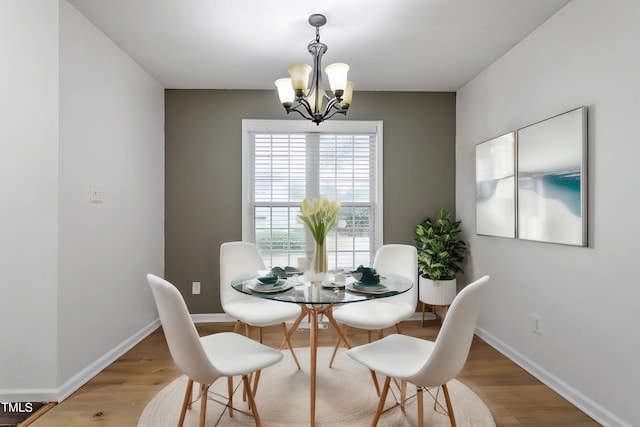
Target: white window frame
(293, 126)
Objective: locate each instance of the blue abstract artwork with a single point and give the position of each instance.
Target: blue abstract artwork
(551, 178)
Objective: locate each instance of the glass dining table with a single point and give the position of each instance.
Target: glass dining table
(317, 299)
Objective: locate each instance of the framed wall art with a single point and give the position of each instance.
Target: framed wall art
(552, 179)
(495, 187)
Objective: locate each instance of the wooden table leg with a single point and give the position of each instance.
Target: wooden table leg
(313, 354)
(343, 337)
(294, 327)
(313, 312)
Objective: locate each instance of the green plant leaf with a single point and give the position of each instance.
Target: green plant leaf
(441, 251)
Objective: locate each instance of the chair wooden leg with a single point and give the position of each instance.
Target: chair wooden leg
(335, 351)
(375, 381)
(203, 404)
(422, 322)
(452, 418)
(383, 398)
(342, 336)
(403, 393)
(252, 403)
(244, 391)
(420, 407)
(236, 326)
(230, 391)
(185, 402)
(398, 328)
(287, 341)
(256, 379)
(247, 333)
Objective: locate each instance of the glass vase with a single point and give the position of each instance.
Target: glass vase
(319, 258)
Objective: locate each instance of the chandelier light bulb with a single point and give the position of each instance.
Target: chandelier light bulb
(285, 91)
(299, 73)
(312, 100)
(337, 74)
(348, 94)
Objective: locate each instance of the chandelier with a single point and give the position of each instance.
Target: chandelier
(302, 92)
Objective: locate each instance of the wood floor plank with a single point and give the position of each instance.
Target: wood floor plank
(117, 396)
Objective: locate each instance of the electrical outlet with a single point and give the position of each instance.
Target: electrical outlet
(195, 288)
(536, 324)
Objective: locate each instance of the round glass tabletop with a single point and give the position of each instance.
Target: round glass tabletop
(299, 290)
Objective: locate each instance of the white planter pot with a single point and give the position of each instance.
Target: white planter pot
(440, 292)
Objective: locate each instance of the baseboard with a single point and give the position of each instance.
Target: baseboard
(81, 378)
(212, 318)
(579, 400)
(418, 316)
(29, 395)
(78, 380)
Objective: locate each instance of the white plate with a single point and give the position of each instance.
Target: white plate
(377, 289)
(279, 286)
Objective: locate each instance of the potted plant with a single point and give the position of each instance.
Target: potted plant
(441, 253)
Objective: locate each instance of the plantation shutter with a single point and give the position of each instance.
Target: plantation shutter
(286, 168)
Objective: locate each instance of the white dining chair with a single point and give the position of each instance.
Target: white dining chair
(378, 314)
(426, 363)
(206, 359)
(242, 260)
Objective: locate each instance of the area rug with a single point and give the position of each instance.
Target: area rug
(345, 397)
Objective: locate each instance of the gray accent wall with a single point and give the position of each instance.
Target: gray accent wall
(203, 155)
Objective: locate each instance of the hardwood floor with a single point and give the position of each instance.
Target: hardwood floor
(117, 396)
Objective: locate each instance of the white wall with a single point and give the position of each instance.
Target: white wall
(112, 136)
(75, 111)
(586, 54)
(28, 196)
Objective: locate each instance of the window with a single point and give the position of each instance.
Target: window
(287, 161)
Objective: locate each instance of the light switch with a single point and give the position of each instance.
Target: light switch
(96, 194)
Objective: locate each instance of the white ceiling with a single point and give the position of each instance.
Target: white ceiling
(391, 45)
